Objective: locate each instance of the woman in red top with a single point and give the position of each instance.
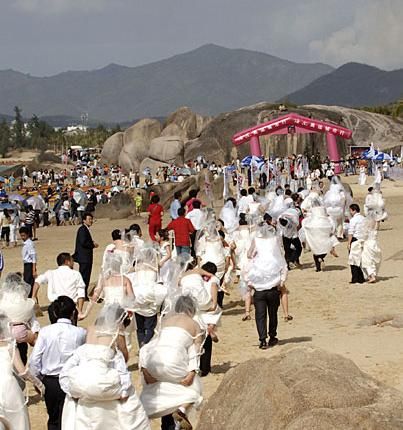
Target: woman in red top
(155, 213)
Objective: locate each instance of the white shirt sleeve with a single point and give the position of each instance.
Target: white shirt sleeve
(43, 278)
(124, 374)
(35, 360)
(80, 286)
(73, 361)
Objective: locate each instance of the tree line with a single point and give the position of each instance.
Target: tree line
(393, 109)
(36, 134)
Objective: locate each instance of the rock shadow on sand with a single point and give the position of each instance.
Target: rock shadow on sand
(222, 368)
(299, 339)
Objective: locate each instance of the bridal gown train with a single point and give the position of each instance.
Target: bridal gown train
(94, 379)
(200, 290)
(12, 401)
(169, 357)
(267, 266)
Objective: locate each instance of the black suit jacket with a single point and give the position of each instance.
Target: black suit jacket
(84, 246)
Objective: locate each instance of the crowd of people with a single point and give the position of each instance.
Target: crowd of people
(168, 293)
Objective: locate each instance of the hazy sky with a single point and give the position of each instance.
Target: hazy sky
(44, 37)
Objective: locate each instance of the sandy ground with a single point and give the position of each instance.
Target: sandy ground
(326, 309)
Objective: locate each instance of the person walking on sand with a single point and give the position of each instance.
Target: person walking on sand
(29, 258)
(84, 250)
(355, 244)
(155, 213)
(266, 275)
(183, 228)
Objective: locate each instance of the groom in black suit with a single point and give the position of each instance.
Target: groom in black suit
(84, 251)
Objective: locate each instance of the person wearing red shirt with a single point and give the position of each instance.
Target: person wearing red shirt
(191, 199)
(182, 228)
(155, 213)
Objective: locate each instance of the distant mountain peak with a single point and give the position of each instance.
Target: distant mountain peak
(353, 85)
(210, 79)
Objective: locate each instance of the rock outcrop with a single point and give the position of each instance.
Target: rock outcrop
(187, 135)
(215, 140)
(152, 165)
(112, 148)
(189, 122)
(302, 388)
(136, 142)
(385, 131)
(168, 149)
(147, 139)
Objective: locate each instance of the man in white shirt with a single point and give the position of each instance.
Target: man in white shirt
(197, 218)
(63, 281)
(175, 205)
(243, 203)
(54, 346)
(355, 244)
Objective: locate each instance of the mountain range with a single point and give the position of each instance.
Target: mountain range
(210, 79)
(352, 84)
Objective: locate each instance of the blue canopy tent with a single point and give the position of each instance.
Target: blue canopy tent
(7, 205)
(382, 156)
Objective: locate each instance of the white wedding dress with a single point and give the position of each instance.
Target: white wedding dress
(362, 179)
(194, 285)
(374, 206)
(95, 378)
(335, 202)
(371, 256)
(13, 410)
(169, 357)
(149, 294)
(267, 265)
(243, 239)
(318, 230)
(213, 251)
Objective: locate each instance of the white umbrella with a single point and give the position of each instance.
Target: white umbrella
(80, 197)
(36, 202)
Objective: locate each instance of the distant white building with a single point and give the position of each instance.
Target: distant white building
(77, 128)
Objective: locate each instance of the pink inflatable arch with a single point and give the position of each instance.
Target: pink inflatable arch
(293, 123)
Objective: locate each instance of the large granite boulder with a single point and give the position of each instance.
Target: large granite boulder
(174, 130)
(215, 139)
(169, 149)
(136, 142)
(112, 148)
(302, 388)
(121, 206)
(152, 165)
(188, 121)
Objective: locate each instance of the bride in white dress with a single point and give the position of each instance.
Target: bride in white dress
(362, 178)
(199, 284)
(14, 302)
(13, 410)
(114, 287)
(374, 206)
(319, 234)
(100, 394)
(243, 238)
(267, 265)
(229, 216)
(371, 256)
(149, 293)
(335, 203)
(209, 248)
(170, 364)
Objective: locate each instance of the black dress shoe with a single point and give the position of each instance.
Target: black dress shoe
(263, 345)
(273, 341)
